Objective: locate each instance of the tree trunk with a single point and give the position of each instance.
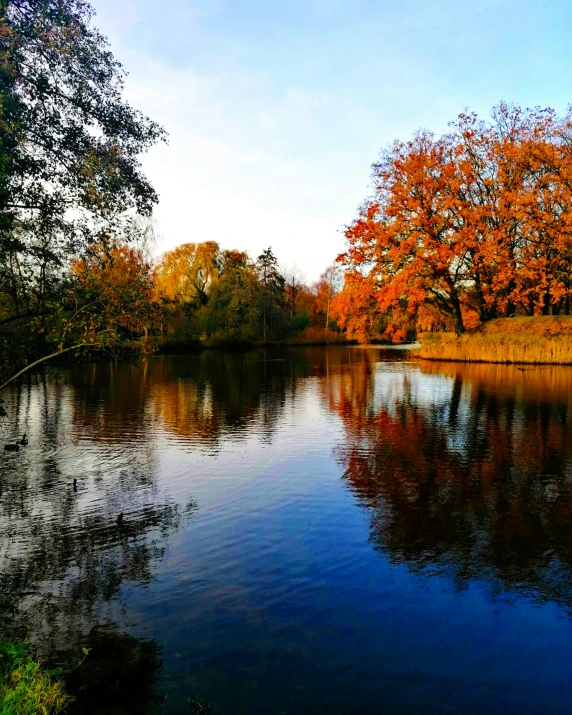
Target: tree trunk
(457, 314)
(482, 308)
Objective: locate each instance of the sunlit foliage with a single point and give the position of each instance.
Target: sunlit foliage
(476, 224)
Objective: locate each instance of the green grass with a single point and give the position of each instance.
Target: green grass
(25, 688)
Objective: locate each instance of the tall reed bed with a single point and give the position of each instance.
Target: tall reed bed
(536, 340)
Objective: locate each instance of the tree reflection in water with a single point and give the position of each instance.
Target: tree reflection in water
(65, 557)
(466, 470)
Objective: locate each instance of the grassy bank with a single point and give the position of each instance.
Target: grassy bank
(25, 688)
(536, 340)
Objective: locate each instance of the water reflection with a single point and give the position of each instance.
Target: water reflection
(465, 470)
(250, 482)
(119, 675)
(216, 396)
(65, 555)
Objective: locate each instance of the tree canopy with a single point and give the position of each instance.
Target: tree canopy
(469, 226)
(70, 147)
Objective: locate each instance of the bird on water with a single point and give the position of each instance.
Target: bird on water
(15, 446)
(120, 519)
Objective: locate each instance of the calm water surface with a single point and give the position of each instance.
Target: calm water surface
(337, 530)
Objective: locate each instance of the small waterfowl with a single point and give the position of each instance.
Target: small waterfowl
(24, 440)
(12, 447)
(120, 519)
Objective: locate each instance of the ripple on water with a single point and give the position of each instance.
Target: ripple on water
(320, 528)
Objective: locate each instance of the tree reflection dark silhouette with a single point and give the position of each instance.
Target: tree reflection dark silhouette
(465, 472)
(65, 555)
(118, 676)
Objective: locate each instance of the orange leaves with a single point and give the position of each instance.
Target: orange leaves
(355, 306)
(110, 300)
(477, 223)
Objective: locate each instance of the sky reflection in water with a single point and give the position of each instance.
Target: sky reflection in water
(316, 530)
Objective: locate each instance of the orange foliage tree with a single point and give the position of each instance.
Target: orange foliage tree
(473, 225)
(108, 305)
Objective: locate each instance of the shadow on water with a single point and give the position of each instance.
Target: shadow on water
(254, 470)
(119, 676)
(66, 553)
(465, 471)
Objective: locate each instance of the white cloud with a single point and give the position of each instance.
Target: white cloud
(222, 177)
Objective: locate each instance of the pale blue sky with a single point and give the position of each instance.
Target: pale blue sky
(277, 109)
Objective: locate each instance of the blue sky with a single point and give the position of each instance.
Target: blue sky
(276, 109)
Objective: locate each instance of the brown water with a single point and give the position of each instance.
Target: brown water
(337, 530)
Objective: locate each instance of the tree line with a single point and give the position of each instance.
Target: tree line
(226, 297)
(464, 228)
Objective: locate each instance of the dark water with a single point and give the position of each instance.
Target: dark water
(331, 530)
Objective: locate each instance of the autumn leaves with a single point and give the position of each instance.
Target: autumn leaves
(470, 226)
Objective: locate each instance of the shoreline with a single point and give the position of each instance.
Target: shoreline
(536, 340)
(467, 361)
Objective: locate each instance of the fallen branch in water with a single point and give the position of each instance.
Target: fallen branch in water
(43, 359)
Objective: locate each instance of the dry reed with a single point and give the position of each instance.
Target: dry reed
(537, 340)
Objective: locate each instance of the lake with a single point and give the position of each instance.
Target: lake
(312, 530)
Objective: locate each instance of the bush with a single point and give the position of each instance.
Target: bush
(300, 322)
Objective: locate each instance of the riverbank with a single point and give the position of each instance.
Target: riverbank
(537, 340)
(25, 687)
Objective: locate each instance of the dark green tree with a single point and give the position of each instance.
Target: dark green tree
(272, 295)
(70, 173)
(233, 306)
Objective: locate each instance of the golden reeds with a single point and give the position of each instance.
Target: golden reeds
(536, 340)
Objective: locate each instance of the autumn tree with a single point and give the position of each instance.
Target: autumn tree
(474, 222)
(108, 305)
(186, 274)
(356, 306)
